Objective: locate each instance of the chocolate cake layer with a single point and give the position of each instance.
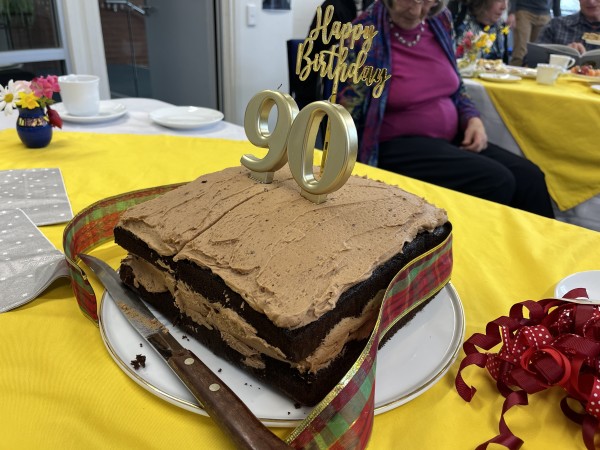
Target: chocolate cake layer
(305, 388)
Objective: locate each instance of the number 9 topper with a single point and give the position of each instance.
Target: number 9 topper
(294, 137)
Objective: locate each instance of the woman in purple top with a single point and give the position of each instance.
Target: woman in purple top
(424, 125)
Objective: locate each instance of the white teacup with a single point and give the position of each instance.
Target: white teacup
(80, 94)
(547, 73)
(564, 61)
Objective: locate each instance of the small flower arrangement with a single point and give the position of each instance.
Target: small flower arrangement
(473, 44)
(36, 93)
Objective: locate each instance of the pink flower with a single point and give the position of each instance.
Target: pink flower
(44, 87)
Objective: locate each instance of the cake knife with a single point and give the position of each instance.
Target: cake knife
(219, 401)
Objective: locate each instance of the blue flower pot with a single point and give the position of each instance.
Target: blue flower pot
(33, 127)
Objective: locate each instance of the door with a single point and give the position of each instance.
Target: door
(164, 49)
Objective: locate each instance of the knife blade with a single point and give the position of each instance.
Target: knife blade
(219, 401)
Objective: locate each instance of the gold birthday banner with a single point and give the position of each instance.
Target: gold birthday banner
(332, 63)
(293, 138)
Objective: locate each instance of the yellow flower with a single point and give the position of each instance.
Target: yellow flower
(505, 30)
(28, 100)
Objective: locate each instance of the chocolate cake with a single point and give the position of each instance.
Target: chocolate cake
(285, 288)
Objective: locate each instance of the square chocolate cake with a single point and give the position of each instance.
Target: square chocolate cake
(285, 288)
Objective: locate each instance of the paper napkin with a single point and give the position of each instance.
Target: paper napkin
(28, 261)
(40, 193)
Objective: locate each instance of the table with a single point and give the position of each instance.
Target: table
(554, 126)
(61, 389)
(136, 121)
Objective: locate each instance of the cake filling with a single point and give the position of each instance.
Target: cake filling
(240, 335)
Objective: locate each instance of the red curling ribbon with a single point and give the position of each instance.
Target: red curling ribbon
(555, 345)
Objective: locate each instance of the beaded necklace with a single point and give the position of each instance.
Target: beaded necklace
(403, 41)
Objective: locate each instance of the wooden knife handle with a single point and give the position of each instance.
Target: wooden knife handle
(222, 404)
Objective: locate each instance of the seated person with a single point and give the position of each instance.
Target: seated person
(569, 30)
(476, 16)
(424, 125)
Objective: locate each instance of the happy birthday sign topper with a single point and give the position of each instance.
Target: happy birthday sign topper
(332, 63)
(292, 141)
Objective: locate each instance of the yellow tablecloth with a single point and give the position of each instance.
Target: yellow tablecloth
(557, 128)
(59, 388)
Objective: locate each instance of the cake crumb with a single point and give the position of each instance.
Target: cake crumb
(141, 359)
(220, 370)
(185, 338)
(297, 405)
(141, 345)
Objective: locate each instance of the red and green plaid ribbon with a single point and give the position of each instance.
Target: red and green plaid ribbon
(344, 418)
(94, 226)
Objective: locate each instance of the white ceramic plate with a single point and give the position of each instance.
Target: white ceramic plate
(411, 362)
(499, 77)
(109, 110)
(592, 41)
(587, 78)
(589, 280)
(186, 117)
(596, 88)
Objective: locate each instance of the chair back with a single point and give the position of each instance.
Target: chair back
(292, 53)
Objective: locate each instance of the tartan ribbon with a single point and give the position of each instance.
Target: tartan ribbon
(556, 345)
(94, 226)
(344, 418)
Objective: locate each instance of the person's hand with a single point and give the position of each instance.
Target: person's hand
(475, 138)
(578, 46)
(511, 20)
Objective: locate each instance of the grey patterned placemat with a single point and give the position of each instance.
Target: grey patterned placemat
(40, 193)
(28, 261)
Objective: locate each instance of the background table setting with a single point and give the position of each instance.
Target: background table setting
(556, 127)
(60, 383)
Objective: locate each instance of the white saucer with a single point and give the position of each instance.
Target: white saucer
(109, 110)
(590, 280)
(596, 88)
(186, 117)
(499, 77)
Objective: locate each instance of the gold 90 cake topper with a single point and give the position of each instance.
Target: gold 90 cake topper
(294, 136)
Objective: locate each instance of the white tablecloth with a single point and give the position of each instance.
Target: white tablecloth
(137, 121)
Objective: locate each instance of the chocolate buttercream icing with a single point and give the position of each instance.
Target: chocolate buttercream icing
(288, 257)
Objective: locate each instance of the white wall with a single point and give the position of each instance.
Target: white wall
(255, 57)
(304, 11)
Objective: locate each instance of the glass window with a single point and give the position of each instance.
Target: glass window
(569, 7)
(30, 42)
(28, 24)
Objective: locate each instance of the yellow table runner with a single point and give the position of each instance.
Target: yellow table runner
(557, 128)
(59, 388)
